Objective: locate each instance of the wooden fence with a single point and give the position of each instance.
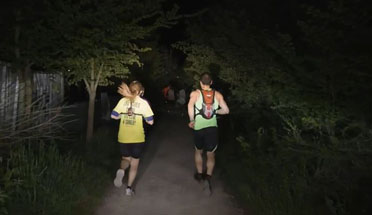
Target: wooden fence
(48, 91)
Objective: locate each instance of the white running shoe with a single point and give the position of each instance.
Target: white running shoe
(129, 191)
(119, 178)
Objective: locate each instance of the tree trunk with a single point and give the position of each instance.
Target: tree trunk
(91, 87)
(90, 122)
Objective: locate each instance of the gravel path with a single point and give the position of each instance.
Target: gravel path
(164, 184)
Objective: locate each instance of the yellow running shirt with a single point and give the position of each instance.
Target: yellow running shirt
(131, 126)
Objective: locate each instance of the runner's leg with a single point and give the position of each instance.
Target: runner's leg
(136, 152)
(118, 181)
(208, 176)
(199, 161)
(211, 147)
(125, 161)
(199, 145)
(210, 163)
(133, 170)
(124, 164)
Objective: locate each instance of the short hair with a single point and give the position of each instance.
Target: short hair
(206, 78)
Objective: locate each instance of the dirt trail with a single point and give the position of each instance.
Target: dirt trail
(164, 184)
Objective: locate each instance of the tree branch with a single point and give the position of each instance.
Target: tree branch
(98, 75)
(87, 85)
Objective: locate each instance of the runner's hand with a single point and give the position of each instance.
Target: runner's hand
(123, 90)
(191, 124)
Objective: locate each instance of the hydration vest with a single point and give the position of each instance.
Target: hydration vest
(207, 110)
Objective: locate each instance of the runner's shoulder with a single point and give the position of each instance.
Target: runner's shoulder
(143, 100)
(195, 93)
(123, 99)
(218, 95)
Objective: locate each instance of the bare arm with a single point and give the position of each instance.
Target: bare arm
(224, 108)
(190, 107)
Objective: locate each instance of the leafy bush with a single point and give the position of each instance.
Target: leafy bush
(41, 176)
(313, 164)
(3, 200)
(44, 181)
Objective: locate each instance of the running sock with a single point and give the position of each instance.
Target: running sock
(129, 187)
(198, 176)
(207, 177)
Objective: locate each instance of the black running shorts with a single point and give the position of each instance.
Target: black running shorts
(206, 139)
(133, 150)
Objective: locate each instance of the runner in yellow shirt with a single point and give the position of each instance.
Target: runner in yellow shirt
(131, 110)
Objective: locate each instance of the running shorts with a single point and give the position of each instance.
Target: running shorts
(206, 139)
(133, 150)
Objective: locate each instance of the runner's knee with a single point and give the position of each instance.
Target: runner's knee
(210, 154)
(123, 159)
(134, 163)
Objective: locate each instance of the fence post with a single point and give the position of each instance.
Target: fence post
(15, 107)
(2, 92)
